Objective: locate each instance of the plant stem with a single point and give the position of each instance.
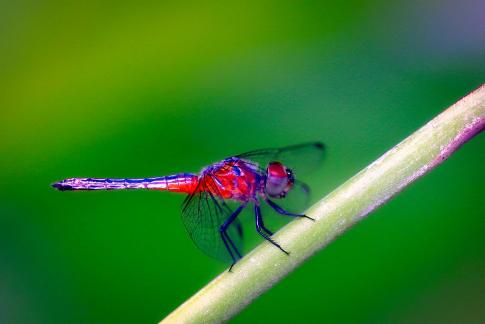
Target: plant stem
(418, 154)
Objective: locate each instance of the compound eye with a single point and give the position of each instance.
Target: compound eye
(277, 170)
(276, 180)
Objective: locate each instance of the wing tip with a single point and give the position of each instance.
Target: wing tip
(319, 145)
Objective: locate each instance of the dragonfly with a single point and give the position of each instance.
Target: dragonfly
(222, 190)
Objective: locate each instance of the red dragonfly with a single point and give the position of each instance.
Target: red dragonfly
(248, 179)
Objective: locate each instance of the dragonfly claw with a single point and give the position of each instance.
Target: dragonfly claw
(312, 219)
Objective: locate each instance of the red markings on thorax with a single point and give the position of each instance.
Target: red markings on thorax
(232, 180)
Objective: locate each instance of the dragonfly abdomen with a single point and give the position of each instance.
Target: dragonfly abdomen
(183, 182)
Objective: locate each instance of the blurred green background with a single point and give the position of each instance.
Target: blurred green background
(137, 89)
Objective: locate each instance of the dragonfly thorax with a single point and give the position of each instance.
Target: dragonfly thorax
(233, 179)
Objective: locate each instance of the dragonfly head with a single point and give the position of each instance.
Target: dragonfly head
(279, 180)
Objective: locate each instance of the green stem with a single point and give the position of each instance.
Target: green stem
(418, 154)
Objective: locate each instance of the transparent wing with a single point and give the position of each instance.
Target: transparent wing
(297, 200)
(203, 214)
(301, 158)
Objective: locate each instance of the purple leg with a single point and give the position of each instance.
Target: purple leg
(262, 226)
(225, 237)
(281, 211)
(261, 230)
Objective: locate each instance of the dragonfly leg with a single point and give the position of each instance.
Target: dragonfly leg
(262, 231)
(228, 238)
(225, 237)
(281, 211)
(262, 226)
